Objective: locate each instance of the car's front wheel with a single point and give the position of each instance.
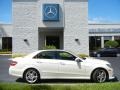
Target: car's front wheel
(98, 55)
(31, 76)
(99, 76)
(118, 54)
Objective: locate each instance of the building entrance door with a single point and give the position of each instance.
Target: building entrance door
(53, 40)
(7, 43)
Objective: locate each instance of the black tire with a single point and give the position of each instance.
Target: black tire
(31, 76)
(99, 76)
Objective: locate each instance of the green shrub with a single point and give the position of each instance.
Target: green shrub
(17, 55)
(5, 51)
(111, 44)
(83, 55)
(49, 47)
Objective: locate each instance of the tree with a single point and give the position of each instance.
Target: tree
(111, 44)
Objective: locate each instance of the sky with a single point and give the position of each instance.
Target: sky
(99, 11)
(5, 11)
(104, 11)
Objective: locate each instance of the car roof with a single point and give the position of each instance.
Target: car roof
(52, 50)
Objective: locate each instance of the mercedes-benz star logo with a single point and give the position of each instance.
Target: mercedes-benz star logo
(50, 11)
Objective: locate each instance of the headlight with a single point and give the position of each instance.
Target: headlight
(109, 65)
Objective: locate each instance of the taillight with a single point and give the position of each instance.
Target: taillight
(13, 63)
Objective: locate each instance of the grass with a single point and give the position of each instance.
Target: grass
(84, 86)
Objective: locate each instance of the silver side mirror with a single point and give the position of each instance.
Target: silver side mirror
(78, 60)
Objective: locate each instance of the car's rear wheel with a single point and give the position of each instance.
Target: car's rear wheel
(31, 76)
(99, 76)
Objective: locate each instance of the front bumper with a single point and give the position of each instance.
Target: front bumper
(111, 73)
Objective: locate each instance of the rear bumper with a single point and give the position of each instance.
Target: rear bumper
(15, 72)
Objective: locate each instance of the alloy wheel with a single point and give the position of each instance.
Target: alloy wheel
(99, 76)
(31, 76)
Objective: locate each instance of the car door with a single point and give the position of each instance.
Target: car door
(47, 63)
(68, 67)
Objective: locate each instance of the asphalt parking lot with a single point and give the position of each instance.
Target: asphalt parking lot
(5, 77)
(4, 66)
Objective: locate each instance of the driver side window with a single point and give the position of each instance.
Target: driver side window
(66, 56)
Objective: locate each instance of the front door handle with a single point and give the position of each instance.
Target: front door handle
(62, 63)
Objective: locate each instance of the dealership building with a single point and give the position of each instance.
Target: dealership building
(62, 23)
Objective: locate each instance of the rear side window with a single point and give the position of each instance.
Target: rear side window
(46, 55)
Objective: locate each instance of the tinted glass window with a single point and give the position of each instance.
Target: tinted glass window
(46, 55)
(65, 56)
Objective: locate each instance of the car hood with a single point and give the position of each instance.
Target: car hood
(96, 61)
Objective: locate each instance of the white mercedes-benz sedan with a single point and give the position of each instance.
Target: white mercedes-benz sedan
(59, 64)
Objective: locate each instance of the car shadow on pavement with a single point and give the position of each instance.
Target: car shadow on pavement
(57, 81)
(63, 81)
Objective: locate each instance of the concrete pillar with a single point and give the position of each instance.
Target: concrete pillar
(25, 29)
(102, 42)
(0, 43)
(113, 38)
(76, 34)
